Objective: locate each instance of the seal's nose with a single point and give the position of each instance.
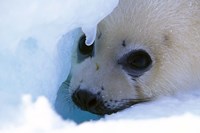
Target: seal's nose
(86, 100)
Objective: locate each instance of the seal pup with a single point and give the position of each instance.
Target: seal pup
(143, 50)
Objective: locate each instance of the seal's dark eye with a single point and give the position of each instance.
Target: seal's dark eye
(136, 62)
(139, 60)
(83, 48)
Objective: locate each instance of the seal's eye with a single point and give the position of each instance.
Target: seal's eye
(83, 48)
(136, 62)
(139, 60)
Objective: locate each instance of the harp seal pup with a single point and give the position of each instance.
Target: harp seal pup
(143, 50)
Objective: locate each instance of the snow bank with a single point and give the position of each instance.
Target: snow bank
(29, 36)
(30, 31)
(166, 115)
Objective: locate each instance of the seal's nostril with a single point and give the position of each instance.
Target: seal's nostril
(85, 99)
(93, 102)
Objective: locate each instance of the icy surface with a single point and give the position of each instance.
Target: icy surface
(30, 61)
(35, 59)
(90, 33)
(174, 115)
(30, 31)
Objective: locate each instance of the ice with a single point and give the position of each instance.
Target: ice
(36, 41)
(180, 117)
(90, 33)
(30, 60)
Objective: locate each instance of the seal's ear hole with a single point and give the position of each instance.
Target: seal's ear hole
(83, 48)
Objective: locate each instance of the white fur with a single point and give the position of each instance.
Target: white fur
(168, 30)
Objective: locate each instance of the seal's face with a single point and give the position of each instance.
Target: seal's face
(105, 83)
(138, 55)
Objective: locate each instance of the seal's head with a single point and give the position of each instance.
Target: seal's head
(144, 49)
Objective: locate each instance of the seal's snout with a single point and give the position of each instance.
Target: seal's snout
(86, 100)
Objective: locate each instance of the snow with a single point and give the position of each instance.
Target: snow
(90, 33)
(36, 40)
(30, 60)
(38, 116)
